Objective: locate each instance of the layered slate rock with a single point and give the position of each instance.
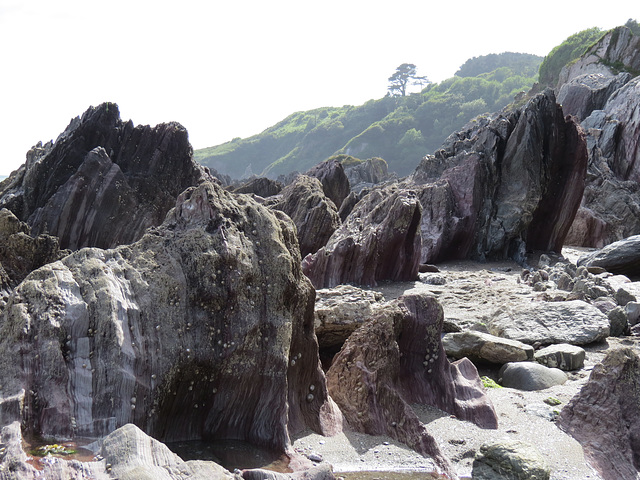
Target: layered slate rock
(483, 347)
(588, 92)
(103, 182)
(503, 185)
(314, 214)
(333, 179)
(621, 257)
(545, 323)
(368, 173)
(261, 186)
(604, 416)
(203, 329)
(397, 359)
(379, 240)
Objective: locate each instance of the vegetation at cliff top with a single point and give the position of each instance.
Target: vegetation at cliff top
(400, 129)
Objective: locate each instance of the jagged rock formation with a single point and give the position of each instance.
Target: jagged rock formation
(604, 415)
(104, 181)
(313, 213)
(334, 181)
(202, 329)
(600, 90)
(397, 359)
(505, 184)
(379, 240)
(20, 253)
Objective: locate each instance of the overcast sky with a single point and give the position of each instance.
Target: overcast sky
(232, 68)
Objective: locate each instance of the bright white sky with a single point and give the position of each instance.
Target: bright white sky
(232, 68)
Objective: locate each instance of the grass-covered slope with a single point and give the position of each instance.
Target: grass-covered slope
(399, 129)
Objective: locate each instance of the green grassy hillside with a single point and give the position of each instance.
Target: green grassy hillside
(399, 129)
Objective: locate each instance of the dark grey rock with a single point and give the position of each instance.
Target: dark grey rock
(619, 325)
(530, 376)
(621, 257)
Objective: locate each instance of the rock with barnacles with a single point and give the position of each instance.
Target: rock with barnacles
(202, 329)
(397, 359)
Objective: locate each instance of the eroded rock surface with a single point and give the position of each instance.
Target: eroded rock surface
(621, 257)
(604, 415)
(544, 323)
(333, 179)
(202, 329)
(103, 182)
(314, 214)
(483, 347)
(396, 359)
(379, 240)
(503, 185)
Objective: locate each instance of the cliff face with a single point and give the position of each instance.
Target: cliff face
(201, 329)
(103, 181)
(601, 90)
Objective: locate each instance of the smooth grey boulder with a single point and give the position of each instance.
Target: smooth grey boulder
(509, 460)
(563, 356)
(479, 346)
(621, 257)
(632, 310)
(342, 309)
(530, 376)
(545, 323)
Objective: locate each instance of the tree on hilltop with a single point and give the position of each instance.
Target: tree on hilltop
(405, 75)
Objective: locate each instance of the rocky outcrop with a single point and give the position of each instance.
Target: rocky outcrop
(380, 240)
(588, 92)
(619, 47)
(333, 179)
(622, 257)
(104, 181)
(396, 359)
(604, 415)
(21, 253)
(313, 213)
(503, 185)
(202, 329)
(545, 323)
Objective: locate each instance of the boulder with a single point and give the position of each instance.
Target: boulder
(618, 323)
(504, 184)
(563, 356)
(509, 460)
(545, 323)
(103, 182)
(202, 329)
(397, 359)
(604, 416)
(333, 179)
(313, 213)
(621, 257)
(530, 376)
(380, 240)
(479, 346)
(342, 309)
